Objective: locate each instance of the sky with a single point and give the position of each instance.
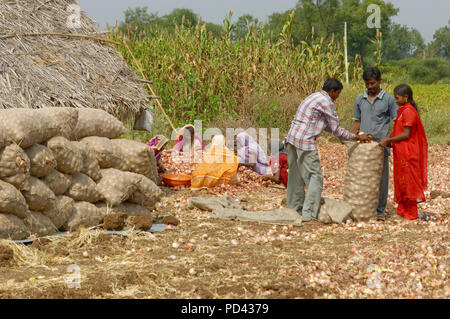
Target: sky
(425, 15)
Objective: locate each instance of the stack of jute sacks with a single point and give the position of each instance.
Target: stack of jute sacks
(65, 168)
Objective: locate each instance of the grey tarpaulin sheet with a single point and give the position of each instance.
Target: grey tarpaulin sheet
(156, 228)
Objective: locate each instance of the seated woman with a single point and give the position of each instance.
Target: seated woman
(219, 166)
(278, 163)
(158, 143)
(250, 154)
(187, 140)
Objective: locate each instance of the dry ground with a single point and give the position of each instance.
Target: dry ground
(227, 259)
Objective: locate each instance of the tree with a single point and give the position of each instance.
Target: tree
(402, 42)
(441, 43)
(316, 19)
(184, 17)
(214, 29)
(137, 20)
(243, 24)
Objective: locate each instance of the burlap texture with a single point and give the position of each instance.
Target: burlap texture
(91, 167)
(83, 188)
(108, 155)
(117, 186)
(14, 165)
(67, 155)
(63, 210)
(38, 195)
(84, 215)
(12, 201)
(362, 179)
(148, 193)
(12, 227)
(39, 224)
(94, 122)
(26, 127)
(65, 119)
(58, 182)
(42, 161)
(138, 158)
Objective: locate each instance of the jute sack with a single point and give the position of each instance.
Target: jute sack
(39, 224)
(58, 182)
(94, 122)
(12, 227)
(12, 201)
(84, 215)
(25, 128)
(138, 157)
(42, 161)
(108, 155)
(125, 208)
(14, 165)
(83, 188)
(38, 195)
(68, 157)
(362, 179)
(63, 210)
(281, 216)
(65, 119)
(90, 162)
(47, 127)
(333, 211)
(148, 193)
(116, 186)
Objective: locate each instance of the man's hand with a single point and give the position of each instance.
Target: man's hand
(365, 138)
(384, 143)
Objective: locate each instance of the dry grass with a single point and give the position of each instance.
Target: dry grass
(47, 71)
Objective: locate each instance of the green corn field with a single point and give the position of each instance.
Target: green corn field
(199, 77)
(253, 81)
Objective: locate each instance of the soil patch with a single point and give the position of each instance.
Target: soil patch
(114, 221)
(171, 220)
(140, 222)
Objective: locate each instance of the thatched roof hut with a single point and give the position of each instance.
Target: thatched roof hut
(39, 70)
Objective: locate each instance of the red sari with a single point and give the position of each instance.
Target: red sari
(410, 162)
(281, 165)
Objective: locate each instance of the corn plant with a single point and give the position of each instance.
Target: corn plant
(198, 76)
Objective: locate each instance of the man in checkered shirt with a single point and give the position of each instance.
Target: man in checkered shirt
(314, 115)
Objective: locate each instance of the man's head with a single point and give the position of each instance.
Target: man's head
(333, 87)
(372, 77)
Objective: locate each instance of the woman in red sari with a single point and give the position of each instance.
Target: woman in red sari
(410, 149)
(278, 163)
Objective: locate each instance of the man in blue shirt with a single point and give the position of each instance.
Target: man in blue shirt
(373, 112)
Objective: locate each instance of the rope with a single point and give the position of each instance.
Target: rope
(77, 36)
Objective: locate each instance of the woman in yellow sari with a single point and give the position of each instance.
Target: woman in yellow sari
(219, 166)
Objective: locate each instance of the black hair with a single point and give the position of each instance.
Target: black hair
(191, 130)
(405, 89)
(372, 72)
(332, 84)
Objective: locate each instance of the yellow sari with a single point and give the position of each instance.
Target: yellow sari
(219, 166)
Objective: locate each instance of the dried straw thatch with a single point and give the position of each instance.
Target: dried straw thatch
(39, 70)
